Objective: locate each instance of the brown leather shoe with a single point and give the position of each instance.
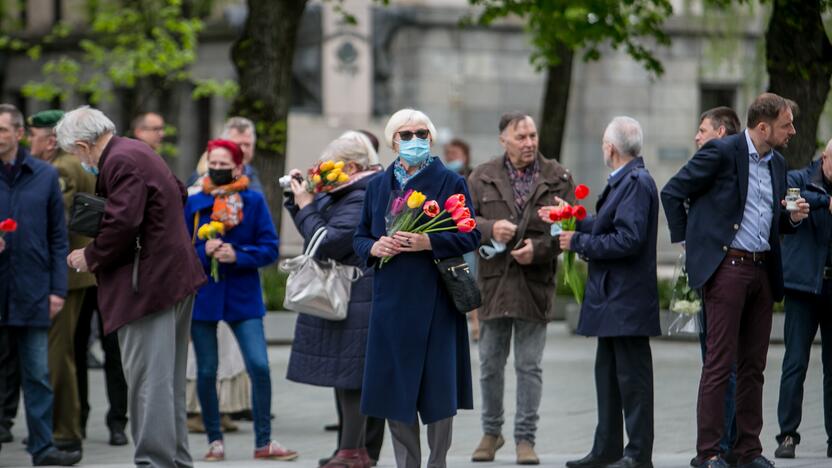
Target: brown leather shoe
(227, 425)
(525, 454)
(487, 450)
(195, 424)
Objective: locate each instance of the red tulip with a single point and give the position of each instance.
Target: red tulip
(579, 212)
(466, 225)
(431, 208)
(454, 201)
(567, 212)
(581, 191)
(555, 214)
(8, 225)
(460, 213)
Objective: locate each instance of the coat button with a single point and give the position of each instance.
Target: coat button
(736, 226)
(724, 248)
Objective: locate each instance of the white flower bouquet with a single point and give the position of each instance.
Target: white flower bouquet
(685, 304)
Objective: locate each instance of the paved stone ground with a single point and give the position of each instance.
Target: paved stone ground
(567, 413)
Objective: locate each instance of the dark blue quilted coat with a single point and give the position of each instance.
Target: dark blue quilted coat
(324, 352)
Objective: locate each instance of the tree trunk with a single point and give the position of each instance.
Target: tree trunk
(799, 70)
(263, 59)
(555, 104)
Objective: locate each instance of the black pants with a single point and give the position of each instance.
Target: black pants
(9, 379)
(374, 435)
(113, 374)
(805, 313)
(624, 384)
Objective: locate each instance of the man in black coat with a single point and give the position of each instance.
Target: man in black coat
(736, 188)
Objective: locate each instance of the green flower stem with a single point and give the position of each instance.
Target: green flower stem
(439, 229)
(437, 220)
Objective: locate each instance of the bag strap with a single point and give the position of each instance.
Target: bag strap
(315, 242)
(196, 227)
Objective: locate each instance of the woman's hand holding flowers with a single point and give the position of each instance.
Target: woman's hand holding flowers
(211, 246)
(226, 254)
(412, 242)
(385, 247)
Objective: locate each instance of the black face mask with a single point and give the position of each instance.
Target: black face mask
(220, 177)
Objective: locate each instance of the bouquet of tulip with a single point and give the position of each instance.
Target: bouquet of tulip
(565, 218)
(7, 225)
(326, 176)
(405, 214)
(685, 304)
(209, 231)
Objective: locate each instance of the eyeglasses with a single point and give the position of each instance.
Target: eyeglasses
(422, 134)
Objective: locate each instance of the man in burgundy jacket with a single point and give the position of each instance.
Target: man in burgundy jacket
(147, 273)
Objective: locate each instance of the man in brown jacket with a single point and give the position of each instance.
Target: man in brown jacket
(516, 276)
(147, 272)
(66, 412)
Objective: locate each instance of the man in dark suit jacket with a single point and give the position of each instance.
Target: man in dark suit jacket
(736, 186)
(621, 300)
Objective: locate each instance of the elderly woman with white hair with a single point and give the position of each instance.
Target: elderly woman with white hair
(331, 353)
(418, 365)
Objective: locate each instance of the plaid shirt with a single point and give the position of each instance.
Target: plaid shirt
(522, 181)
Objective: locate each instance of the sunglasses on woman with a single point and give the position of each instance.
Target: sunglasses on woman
(422, 134)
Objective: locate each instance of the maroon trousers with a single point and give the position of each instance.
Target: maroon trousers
(739, 304)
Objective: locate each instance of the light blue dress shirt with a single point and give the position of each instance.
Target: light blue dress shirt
(755, 227)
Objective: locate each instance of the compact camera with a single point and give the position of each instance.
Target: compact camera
(286, 181)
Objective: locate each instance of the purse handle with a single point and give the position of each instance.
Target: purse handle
(315, 242)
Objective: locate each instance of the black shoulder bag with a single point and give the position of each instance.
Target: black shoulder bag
(460, 283)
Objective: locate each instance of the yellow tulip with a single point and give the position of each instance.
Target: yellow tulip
(332, 177)
(316, 179)
(415, 200)
(327, 165)
(218, 227)
(339, 165)
(343, 178)
(202, 233)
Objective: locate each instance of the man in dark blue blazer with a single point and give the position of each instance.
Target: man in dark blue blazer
(735, 187)
(621, 301)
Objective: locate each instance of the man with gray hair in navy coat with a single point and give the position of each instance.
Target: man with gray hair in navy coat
(621, 300)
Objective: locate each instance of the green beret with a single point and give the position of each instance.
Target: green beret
(45, 119)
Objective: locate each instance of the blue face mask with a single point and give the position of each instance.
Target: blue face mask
(414, 151)
(91, 169)
(455, 166)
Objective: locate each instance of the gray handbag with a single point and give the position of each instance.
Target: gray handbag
(319, 288)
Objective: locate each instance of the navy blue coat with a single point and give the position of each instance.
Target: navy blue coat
(237, 296)
(417, 349)
(805, 252)
(619, 243)
(325, 352)
(715, 180)
(33, 265)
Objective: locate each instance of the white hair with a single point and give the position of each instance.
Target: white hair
(85, 124)
(240, 125)
(351, 146)
(406, 117)
(624, 133)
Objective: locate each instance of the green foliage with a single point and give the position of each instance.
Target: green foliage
(206, 88)
(273, 281)
(586, 25)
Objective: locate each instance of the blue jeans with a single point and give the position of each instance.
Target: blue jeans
(730, 433)
(32, 349)
(252, 341)
(805, 313)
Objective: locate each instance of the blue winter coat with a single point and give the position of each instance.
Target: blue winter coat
(619, 242)
(237, 296)
(325, 352)
(805, 252)
(417, 349)
(33, 265)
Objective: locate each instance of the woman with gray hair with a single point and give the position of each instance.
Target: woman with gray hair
(418, 364)
(331, 353)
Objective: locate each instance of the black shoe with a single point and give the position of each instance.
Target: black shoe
(716, 462)
(731, 459)
(324, 461)
(589, 461)
(5, 434)
(55, 457)
(786, 448)
(332, 427)
(759, 462)
(68, 445)
(629, 462)
(829, 451)
(118, 437)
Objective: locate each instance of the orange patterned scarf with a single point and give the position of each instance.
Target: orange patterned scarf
(228, 204)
